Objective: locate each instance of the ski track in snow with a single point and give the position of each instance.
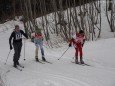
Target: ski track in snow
(52, 79)
(61, 78)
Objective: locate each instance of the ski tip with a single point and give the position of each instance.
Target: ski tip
(40, 62)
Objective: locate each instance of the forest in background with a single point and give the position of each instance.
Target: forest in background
(11, 8)
(65, 16)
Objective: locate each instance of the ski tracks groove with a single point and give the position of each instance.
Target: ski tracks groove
(58, 79)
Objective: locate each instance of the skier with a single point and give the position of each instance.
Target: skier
(17, 43)
(38, 40)
(78, 41)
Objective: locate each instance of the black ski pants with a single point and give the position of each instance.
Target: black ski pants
(17, 51)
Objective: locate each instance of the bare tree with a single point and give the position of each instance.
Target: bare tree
(65, 21)
(110, 17)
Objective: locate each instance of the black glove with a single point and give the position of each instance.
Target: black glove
(82, 44)
(69, 45)
(27, 37)
(11, 48)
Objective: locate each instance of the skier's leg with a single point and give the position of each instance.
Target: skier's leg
(36, 54)
(19, 51)
(36, 50)
(15, 58)
(81, 55)
(42, 50)
(76, 55)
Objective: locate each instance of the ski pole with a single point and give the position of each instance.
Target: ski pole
(24, 50)
(63, 53)
(7, 57)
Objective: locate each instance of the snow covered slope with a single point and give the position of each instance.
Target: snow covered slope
(99, 54)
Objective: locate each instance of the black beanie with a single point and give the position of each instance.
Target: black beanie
(81, 31)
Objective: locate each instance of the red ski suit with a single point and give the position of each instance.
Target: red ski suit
(78, 40)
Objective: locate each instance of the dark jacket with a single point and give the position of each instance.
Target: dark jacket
(17, 37)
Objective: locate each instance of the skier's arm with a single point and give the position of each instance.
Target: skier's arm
(71, 41)
(24, 34)
(10, 39)
(83, 42)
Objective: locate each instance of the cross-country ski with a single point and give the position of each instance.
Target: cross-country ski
(46, 61)
(84, 64)
(40, 62)
(18, 68)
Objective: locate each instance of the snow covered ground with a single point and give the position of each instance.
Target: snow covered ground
(99, 54)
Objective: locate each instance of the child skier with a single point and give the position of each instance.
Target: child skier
(78, 41)
(17, 43)
(38, 40)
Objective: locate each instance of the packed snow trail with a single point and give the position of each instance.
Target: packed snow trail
(62, 72)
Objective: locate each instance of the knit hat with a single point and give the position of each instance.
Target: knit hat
(81, 31)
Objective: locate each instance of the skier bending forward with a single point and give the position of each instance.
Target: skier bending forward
(78, 41)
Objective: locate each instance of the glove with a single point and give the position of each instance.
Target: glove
(69, 45)
(27, 37)
(82, 45)
(11, 48)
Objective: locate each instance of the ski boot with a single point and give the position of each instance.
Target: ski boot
(81, 61)
(36, 58)
(15, 65)
(43, 58)
(76, 61)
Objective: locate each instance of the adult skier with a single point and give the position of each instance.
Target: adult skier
(16, 35)
(78, 41)
(38, 40)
